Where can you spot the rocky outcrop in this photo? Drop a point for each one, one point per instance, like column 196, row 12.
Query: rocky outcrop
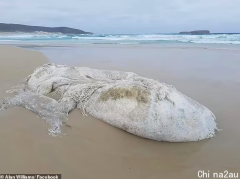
column 31, row 29
column 196, row 32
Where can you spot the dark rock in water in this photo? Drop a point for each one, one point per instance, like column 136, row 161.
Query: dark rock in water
column 196, row 32
column 29, row 29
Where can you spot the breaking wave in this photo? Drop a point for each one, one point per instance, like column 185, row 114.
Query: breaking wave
column 121, row 38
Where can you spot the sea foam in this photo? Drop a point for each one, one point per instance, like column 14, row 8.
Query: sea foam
column 121, row 38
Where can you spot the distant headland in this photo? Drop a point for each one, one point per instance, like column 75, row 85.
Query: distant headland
column 205, row 32
column 29, row 29
column 196, row 32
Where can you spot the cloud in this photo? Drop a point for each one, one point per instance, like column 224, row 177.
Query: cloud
column 125, row 16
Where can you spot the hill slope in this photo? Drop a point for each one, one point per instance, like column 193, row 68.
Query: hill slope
column 26, row 28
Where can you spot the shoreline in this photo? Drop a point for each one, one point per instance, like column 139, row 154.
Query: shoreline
column 204, row 46
column 16, row 64
column 94, row 149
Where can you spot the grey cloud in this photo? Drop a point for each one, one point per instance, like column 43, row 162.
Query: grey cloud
column 125, row 16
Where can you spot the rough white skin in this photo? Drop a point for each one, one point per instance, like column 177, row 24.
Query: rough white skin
column 138, row 105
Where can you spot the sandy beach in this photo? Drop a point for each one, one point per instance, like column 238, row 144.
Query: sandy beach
column 92, row 149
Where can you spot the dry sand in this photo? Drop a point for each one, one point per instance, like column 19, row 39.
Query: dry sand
column 95, row 150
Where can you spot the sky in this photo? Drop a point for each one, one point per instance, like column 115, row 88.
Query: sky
column 126, row 16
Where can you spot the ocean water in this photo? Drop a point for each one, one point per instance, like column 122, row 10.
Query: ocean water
column 123, row 39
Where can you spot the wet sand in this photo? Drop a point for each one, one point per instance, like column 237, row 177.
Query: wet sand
column 93, row 149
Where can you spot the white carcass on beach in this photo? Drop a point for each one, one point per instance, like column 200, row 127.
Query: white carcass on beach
column 138, row 105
